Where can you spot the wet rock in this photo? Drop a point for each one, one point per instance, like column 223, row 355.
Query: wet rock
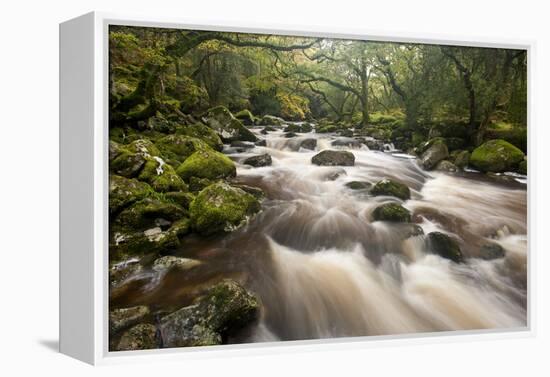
column 256, row 192
column 288, row 135
column 358, row 185
column 373, row 144
column 334, row 158
column 391, row 212
column 491, row 250
column 346, row 133
column 170, row 261
column 388, row 187
column 261, row 143
column 412, row 230
column 444, row 246
column 223, row 311
column 228, row 128
column 124, row 191
column 447, row 166
column 307, row 127
column 293, row 128
column 121, row 271
column 270, row 120
column 221, row 208
column 139, row 337
column 132, row 157
column 436, row 152
column 346, row 142
column 258, row 161
column 120, row 319
column 496, row 156
column 310, row 144
column 323, row 129
column 207, row 164
column 334, row 174
column 161, row 176
column 246, row 117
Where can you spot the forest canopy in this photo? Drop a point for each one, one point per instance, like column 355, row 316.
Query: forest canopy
column 408, row 88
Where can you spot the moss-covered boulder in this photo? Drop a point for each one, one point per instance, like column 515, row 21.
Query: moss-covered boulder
column 148, row 213
column 139, row 337
column 388, row 187
column 310, row 144
column 124, row 191
column 270, row 120
column 306, row 127
column 227, row 126
column 221, row 208
column 176, row 148
column 131, row 158
column 435, row 150
column 293, row 127
column 391, row 212
column 207, row 164
column 224, row 310
column 120, row 319
column 203, row 133
column 161, row 176
column 246, row 117
column 324, row 129
column 333, row 158
column 444, row 246
column 496, row 156
column 259, row 161
column 460, row 158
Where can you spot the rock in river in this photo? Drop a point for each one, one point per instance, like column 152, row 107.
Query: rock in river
column 120, row 319
column 445, row 246
column 258, row 161
column 334, row 158
column 226, row 308
column 388, row 187
column 496, row 156
column 391, row 212
column 436, row 152
column 139, row 337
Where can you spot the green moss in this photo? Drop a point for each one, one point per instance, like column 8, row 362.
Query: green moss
column 444, row 246
column 358, row 185
column 221, row 208
column 387, row 187
column 207, row 164
column 326, row 129
column 460, row 158
column 183, row 199
column 203, row 133
column 496, row 156
column 522, row 167
column 142, row 215
column 124, row 191
column 246, row 117
column 391, row 212
column 176, row 148
column 161, row 176
column 227, row 126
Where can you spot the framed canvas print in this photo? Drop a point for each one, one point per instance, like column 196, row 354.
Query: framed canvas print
column 233, row 188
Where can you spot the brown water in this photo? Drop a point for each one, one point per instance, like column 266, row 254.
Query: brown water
column 322, row 269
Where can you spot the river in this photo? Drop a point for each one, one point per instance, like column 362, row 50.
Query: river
column 323, row 269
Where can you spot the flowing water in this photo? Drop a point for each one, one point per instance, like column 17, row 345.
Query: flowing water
column 323, row 269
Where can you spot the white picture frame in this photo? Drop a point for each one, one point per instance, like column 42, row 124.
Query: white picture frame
column 84, row 192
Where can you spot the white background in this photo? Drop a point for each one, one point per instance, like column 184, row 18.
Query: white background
column 29, row 185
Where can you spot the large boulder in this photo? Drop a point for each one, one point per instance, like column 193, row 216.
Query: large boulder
column 310, row 144
column 207, row 164
column 131, row 158
column 446, row 166
column 333, row 158
column 176, row 148
column 223, row 311
column 346, row 142
column 139, row 337
column 221, row 208
column 270, row 120
column 445, row 246
column 496, row 156
column 120, row 319
column 149, row 212
column 391, row 212
column 161, row 176
column 435, row 152
column 388, row 187
column 124, row 191
column 258, row 161
column 203, row 133
column 227, row 126
column 460, row 158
